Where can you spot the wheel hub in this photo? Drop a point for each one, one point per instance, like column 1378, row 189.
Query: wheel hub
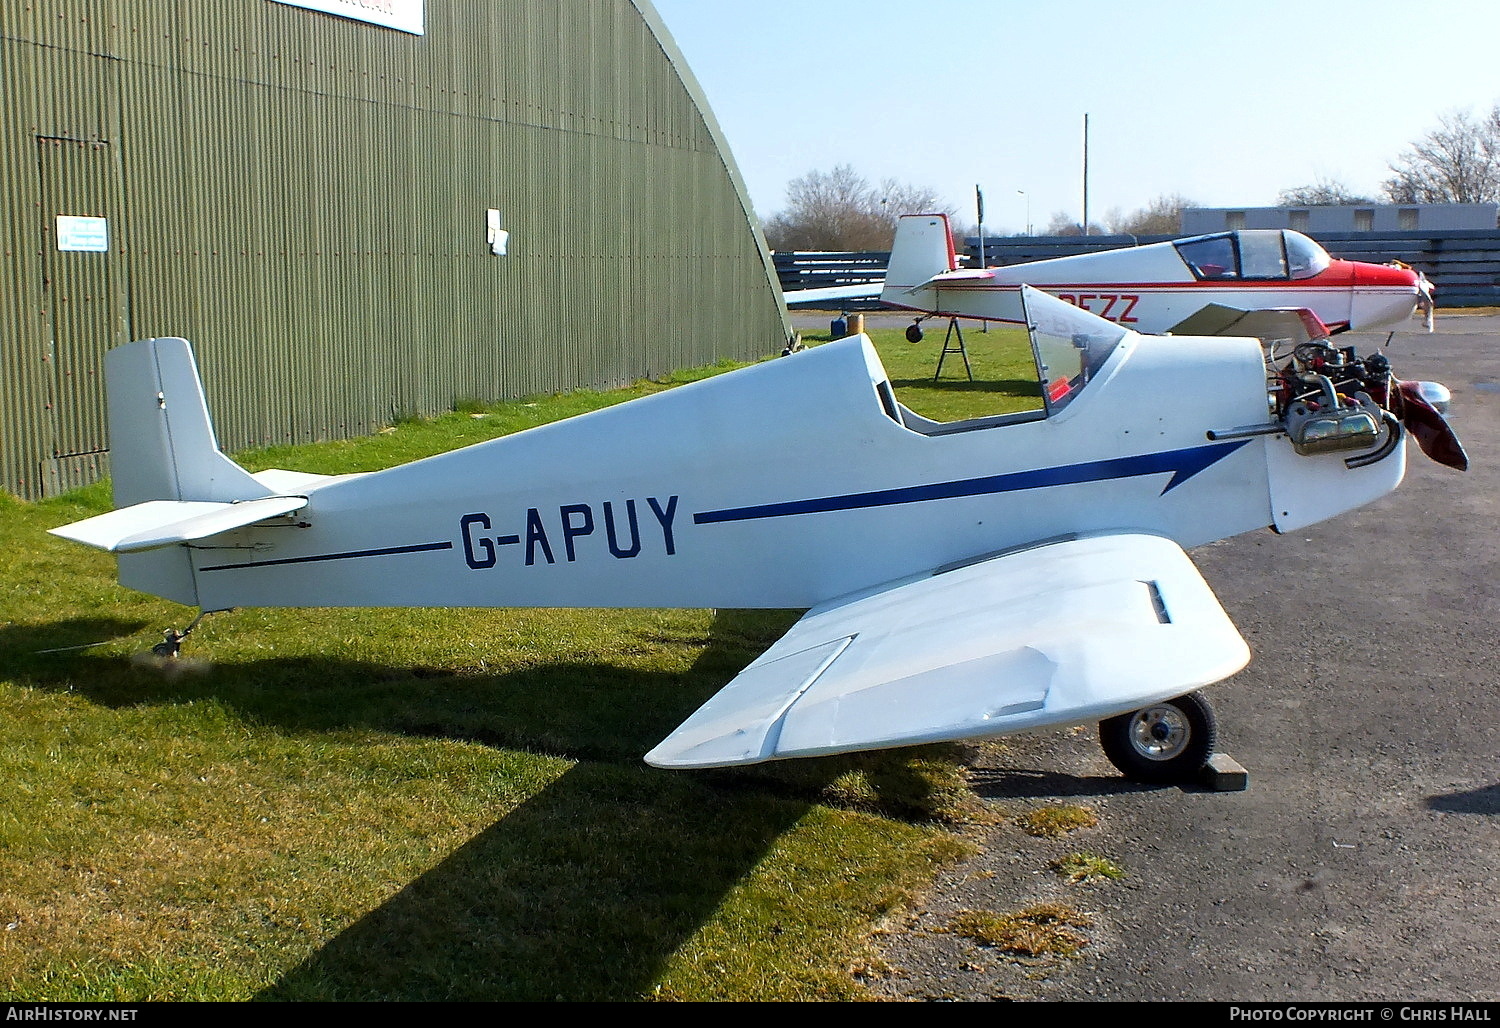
column 1160, row 733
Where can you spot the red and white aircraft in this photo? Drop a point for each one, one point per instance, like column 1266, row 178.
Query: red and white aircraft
column 1268, row 283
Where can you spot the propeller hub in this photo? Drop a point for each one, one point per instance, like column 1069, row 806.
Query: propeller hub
column 1436, row 394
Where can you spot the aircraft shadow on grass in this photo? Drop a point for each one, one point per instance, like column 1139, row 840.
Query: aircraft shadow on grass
column 660, row 849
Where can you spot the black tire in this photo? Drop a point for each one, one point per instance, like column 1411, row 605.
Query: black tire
column 1167, row 743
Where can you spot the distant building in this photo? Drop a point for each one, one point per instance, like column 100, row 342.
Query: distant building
column 1417, row 217
column 355, row 210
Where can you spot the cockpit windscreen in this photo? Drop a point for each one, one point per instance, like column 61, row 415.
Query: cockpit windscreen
column 1071, row 345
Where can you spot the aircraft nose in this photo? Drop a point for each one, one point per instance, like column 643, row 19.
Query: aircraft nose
column 1385, row 275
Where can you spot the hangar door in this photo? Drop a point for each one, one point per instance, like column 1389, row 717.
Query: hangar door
column 82, row 303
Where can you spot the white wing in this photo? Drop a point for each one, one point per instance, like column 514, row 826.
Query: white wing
column 1064, row 633
column 1295, row 324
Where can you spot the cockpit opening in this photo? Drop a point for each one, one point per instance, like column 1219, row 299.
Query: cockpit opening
column 1018, row 374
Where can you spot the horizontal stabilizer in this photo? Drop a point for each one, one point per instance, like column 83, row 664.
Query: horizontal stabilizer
column 826, row 294
column 1296, row 324
column 1065, row 633
column 952, row 278
column 961, row 275
column 155, row 523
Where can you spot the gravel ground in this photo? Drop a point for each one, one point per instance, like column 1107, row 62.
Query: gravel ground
column 1363, row 860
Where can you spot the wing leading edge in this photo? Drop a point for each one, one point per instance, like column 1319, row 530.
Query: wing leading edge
column 1063, row 633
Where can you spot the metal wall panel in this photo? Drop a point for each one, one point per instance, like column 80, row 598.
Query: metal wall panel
column 304, row 197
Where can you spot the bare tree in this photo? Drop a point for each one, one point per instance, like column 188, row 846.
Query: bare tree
column 841, row 210
column 1457, row 162
column 1064, row 224
column 1325, row 192
column 1160, row 217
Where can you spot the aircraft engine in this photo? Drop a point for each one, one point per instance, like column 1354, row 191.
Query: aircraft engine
column 1332, row 400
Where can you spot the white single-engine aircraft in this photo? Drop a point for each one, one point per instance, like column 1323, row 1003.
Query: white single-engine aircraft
column 963, row 580
column 1250, row 282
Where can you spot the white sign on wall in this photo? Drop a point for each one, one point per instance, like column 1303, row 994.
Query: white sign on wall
column 405, row 15
column 87, row 234
column 498, row 238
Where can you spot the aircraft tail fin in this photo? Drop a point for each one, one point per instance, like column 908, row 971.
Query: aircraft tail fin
column 162, row 443
column 171, row 480
column 923, row 247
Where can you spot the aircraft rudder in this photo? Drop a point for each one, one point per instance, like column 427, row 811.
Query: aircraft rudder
column 163, row 447
column 162, row 442
column 140, row 451
column 922, row 248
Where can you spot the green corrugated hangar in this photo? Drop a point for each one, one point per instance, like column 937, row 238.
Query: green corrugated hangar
column 356, row 210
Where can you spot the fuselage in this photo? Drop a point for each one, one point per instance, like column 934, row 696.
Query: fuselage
column 789, row 483
column 1155, row 287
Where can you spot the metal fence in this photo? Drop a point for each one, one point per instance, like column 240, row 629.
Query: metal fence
column 798, row 270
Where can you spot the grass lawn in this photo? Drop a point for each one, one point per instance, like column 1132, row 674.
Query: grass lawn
column 429, row 804
column 1000, row 359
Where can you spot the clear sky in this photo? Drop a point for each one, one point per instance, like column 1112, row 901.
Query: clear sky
column 1223, row 103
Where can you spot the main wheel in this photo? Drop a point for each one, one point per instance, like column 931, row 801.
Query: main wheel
column 1165, row 743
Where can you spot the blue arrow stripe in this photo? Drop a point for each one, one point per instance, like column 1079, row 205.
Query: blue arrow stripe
column 1183, row 464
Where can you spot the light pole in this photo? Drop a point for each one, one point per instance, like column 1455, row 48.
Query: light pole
column 1022, row 192
column 979, row 209
column 1085, row 174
